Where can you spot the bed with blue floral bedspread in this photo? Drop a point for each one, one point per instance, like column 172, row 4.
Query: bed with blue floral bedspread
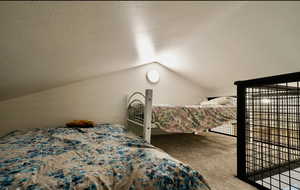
column 105, row 157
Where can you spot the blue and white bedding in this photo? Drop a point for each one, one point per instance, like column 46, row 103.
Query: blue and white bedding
column 105, row 157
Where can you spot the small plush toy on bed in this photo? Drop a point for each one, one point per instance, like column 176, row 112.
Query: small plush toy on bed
column 80, row 124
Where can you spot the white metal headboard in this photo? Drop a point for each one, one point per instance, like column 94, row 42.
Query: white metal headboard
column 145, row 115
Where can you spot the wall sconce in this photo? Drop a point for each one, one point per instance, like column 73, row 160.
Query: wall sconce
column 153, row 76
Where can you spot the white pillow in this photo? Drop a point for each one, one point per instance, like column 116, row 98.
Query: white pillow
column 224, row 101
column 201, row 100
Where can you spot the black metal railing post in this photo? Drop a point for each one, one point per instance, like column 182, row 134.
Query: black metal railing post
column 241, row 132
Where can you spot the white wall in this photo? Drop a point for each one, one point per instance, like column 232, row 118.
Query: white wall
column 225, row 91
column 102, row 99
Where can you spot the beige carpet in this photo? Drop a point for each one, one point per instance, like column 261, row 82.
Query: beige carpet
column 212, row 154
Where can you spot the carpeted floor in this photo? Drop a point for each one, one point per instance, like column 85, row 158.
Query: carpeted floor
column 212, row 154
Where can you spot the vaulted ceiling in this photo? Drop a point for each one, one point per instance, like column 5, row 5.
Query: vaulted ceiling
column 49, row 44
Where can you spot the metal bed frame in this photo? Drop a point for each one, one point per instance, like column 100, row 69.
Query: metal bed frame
column 139, row 119
column 268, row 133
column 142, row 117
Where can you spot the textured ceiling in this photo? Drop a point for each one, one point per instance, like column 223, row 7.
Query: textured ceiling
column 48, row 44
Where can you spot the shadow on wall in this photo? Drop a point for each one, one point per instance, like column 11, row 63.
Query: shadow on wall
column 102, row 99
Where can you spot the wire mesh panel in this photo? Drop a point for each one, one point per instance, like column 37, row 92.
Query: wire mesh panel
column 227, row 129
column 271, row 136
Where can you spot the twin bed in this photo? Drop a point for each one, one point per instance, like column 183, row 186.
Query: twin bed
column 107, row 157
column 142, row 115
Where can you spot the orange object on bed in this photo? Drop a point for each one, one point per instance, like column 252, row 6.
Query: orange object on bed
column 80, row 123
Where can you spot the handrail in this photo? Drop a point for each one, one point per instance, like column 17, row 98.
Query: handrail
column 283, row 78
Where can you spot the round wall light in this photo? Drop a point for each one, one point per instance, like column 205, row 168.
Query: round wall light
column 153, row 76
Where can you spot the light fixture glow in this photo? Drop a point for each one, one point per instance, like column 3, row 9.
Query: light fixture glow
column 153, row 76
column 145, row 48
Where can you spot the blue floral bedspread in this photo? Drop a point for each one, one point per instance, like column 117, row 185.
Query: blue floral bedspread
column 105, row 157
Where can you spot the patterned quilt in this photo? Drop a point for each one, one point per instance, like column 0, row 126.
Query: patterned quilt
column 179, row 119
column 105, row 157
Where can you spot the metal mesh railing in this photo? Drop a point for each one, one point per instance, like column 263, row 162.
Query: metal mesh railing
column 269, row 138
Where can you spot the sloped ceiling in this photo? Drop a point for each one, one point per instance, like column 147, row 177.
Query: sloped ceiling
column 49, row 44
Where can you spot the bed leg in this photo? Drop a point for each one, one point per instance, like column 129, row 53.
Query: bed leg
column 148, row 115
